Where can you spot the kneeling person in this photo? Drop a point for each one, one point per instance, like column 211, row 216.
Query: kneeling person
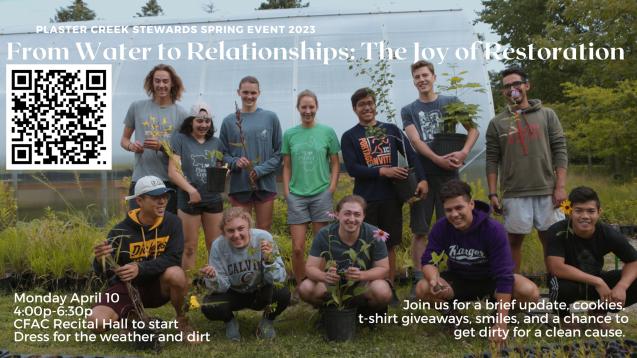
column 575, row 256
column 477, row 255
column 244, row 270
column 147, row 247
column 333, row 243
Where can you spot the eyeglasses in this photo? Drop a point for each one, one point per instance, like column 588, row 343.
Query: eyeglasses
column 516, row 84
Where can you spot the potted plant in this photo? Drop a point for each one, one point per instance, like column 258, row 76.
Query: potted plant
column 447, row 140
column 216, row 174
column 338, row 315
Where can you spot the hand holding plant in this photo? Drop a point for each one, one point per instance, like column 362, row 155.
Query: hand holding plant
column 127, row 272
column 354, row 274
column 266, row 252
column 245, row 162
column 439, row 260
column 208, row 271
column 102, row 250
column 332, row 276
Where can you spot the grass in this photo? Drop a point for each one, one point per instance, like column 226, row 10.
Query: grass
column 296, row 337
column 59, row 242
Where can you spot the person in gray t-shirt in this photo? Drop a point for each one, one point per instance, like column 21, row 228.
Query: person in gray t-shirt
column 253, row 167
column 421, row 120
column 196, row 148
column 153, row 121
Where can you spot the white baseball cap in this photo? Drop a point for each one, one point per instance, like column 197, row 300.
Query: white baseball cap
column 198, row 107
column 149, row 185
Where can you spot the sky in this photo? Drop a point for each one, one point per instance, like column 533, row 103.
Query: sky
column 39, row 12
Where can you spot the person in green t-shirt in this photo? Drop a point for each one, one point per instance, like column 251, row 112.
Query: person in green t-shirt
column 310, row 174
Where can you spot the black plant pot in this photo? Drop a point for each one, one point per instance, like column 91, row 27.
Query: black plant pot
column 445, row 143
column 406, row 188
column 340, row 324
column 7, row 284
column 628, row 230
column 216, row 179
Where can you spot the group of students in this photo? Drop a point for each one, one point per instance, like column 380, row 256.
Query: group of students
column 153, row 248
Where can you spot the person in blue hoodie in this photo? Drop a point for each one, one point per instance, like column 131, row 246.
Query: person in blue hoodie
column 244, row 270
column 477, row 256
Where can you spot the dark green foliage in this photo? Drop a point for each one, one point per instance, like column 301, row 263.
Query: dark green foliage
column 78, row 11
column 152, row 8
column 282, row 4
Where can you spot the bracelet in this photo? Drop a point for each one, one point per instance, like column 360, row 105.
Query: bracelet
column 492, row 195
column 128, row 147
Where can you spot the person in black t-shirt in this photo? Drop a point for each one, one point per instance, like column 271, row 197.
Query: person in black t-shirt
column 575, row 256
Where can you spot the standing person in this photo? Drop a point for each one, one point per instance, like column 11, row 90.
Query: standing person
column 478, row 258
column 253, row 167
column 147, row 246
column 334, row 243
column 244, row 270
column 372, row 160
column 526, row 144
column 423, row 118
column 153, row 121
column 194, row 148
column 575, row 256
column 310, row 174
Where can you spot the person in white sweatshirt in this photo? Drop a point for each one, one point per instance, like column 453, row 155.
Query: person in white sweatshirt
column 244, row 270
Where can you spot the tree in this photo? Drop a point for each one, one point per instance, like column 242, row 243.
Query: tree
column 566, row 23
column 152, row 8
column 600, row 122
column 209, row 7
column 282, row 4
column 78, row 11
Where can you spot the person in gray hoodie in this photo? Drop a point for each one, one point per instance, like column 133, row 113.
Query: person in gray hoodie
column 244, row 270
column 252, row 140
column 527, row 146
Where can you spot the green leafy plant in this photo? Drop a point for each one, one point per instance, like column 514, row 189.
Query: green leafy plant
column 216, row 157
column 459, row 112
column 439, row 260
column 344, row 290
column 381, row 80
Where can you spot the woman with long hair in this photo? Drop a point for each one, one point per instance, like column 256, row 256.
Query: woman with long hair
column 194, row 149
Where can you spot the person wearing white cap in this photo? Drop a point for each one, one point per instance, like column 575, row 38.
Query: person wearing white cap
column 147, row 246
column 195, row 147
column 153, row 121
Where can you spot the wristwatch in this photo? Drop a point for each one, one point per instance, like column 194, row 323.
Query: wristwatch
column 492, row 195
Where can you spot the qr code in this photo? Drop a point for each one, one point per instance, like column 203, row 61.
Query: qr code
column 58, row 117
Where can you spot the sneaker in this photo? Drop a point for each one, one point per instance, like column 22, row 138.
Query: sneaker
column 295, row 298
column 265, row 330
column 412, row 293
column 232, row 330
column 395, row 302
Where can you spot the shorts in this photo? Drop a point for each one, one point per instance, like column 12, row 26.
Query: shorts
column 214, row 207
column 251, row 197
column 209, row 206
column 304, row 209
column 172, row 199
column 469, row 290
column 522, row 214
column 150, row 293
column 387, row 215
column 422, row 211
